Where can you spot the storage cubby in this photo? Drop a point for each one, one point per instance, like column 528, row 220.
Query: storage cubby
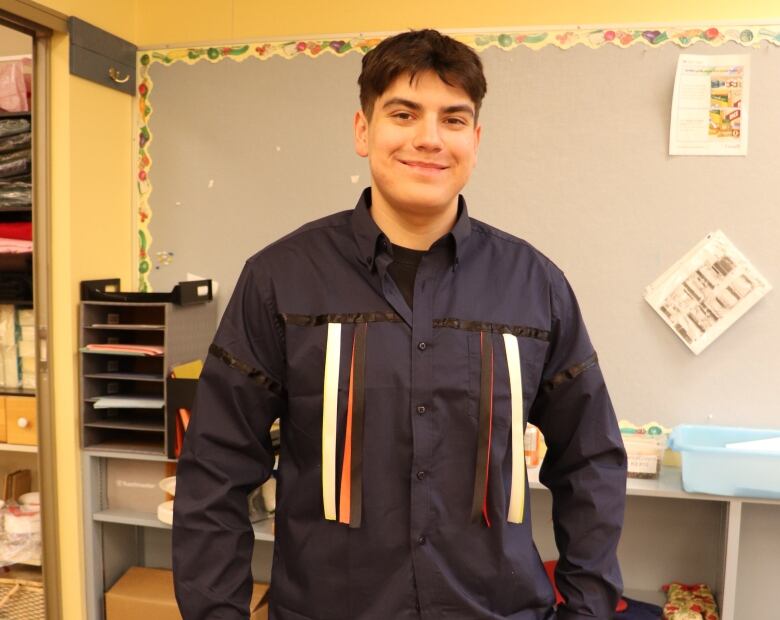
column 177, row 334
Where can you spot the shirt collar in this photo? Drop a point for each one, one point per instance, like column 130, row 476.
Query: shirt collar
column 368, row 235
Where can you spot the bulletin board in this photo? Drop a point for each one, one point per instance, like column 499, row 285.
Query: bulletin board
column 239, row 145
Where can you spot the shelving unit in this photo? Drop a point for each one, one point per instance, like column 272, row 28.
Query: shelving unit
column 117, row 538
column 703, row 547
column 18, row 410
column 182, row 332
column 650, row 553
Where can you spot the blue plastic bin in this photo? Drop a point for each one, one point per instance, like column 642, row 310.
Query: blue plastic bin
column 709, row 467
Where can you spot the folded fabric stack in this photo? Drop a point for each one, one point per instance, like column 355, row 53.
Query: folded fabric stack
column 689, row 602
column 9, row 351
column 15, row 166
column 25, row 332
column 17, row 323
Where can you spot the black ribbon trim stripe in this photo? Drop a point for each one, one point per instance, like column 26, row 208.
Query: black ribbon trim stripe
column 570, row 373
column 306, row 320
column 495, row 328
column 358, row 417
column 255, row 375
column 483, row 438
column 309, row 320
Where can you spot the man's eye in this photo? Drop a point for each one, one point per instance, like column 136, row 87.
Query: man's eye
column 456, row 120
column 403, row 116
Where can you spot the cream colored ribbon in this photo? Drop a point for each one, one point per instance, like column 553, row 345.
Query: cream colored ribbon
column 330, row 399
column 517, row 488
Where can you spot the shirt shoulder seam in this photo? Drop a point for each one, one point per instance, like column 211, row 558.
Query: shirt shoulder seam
column 312, row 227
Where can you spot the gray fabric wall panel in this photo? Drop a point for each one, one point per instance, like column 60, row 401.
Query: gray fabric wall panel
column 574, row 158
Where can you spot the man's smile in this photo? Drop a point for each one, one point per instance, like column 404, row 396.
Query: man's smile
column 424, row 166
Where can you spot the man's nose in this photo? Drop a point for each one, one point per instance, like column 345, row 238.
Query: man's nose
column 428, row 135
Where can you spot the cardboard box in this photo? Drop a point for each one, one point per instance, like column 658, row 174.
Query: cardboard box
column 148, row 593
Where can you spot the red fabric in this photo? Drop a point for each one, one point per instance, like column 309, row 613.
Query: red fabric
column 345, row 499
column 16, row 230
column 182, row 421
column 549, row 567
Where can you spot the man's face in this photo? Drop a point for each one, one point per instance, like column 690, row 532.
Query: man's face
column 421, row 142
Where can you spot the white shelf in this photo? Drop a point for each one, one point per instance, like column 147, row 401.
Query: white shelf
column 114, row 453
column 668, row 485
column 263, row 529
column 15, row 447
column 126, row 326
column 125, row 376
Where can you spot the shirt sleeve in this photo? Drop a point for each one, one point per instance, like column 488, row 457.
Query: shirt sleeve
column 585, row 465
column 227, row 453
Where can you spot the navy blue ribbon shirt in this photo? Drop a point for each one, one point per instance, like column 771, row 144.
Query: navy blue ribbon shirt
column 402, row 490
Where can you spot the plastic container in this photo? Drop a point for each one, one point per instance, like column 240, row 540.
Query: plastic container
column 645, row 455
column 708, row 466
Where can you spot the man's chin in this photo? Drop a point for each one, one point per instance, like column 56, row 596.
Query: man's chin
column 426, row 199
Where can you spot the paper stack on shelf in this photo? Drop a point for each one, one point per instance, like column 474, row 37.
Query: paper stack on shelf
column 141, row 350
column 25, row 321
column 9, row 352
column 119, row 401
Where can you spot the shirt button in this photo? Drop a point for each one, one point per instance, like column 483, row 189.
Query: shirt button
column 421, row 540
column 420, row 475
column 421, row 409
column 421, row 346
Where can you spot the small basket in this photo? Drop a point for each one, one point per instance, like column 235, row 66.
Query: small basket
column 21, row 600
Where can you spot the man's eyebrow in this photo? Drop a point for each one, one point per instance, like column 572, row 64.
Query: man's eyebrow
column 401, row 101
column 412, row 105
column 453, row 109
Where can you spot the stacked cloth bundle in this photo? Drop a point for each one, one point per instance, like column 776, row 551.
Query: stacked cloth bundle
column 16, row 235
column 15, row 163
column 689, row 602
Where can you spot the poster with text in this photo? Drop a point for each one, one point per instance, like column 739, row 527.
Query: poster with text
column 706, row 291
column 710, row 105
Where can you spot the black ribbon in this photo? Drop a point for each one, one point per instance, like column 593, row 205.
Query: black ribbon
column 497, row 328
column 358, row 423
column 570, row 373
column 307, row 320
column 485, row 428
column 253, row 373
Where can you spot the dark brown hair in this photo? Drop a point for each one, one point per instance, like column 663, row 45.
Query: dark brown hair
column 415, row 52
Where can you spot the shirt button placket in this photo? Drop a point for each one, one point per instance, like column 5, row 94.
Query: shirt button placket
column 423, row 425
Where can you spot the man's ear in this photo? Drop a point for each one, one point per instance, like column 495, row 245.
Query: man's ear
column 477, row 138
column 361, row 134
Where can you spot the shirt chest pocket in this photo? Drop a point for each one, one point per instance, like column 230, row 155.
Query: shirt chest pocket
column 504, row 372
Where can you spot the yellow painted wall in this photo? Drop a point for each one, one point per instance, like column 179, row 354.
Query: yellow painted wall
column 91, row 237
column 166, row 22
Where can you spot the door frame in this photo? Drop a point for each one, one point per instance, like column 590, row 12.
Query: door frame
column 41, row 23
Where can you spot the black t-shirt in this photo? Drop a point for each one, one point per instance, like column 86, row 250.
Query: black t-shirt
column 403, row 270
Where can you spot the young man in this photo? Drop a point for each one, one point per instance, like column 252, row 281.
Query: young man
column 403, row 345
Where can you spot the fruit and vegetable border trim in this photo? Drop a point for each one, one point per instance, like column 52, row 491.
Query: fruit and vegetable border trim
column 563, row 39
